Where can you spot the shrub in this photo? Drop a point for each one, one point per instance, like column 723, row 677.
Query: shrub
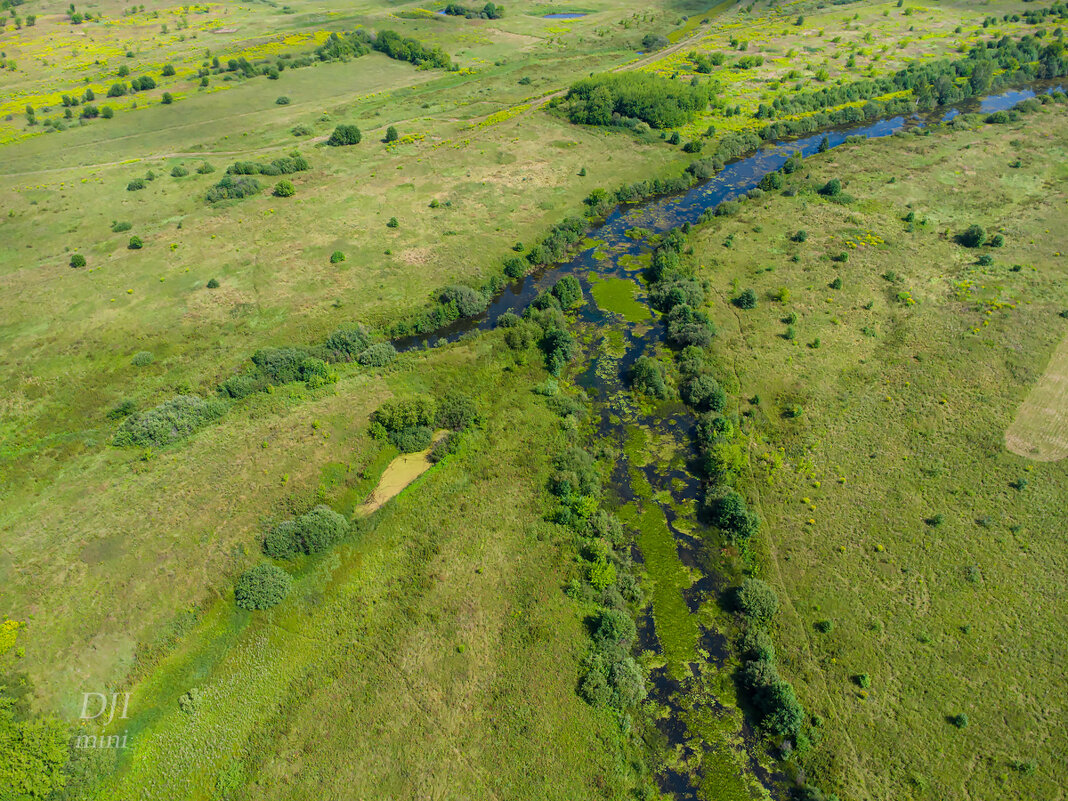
column 179, row 171
column 281, row 541
column 648, row 376
column 836, row 283
column 515, row 267
column 135, row 184
column 800, row 236
column 301, row 130
column 168, row 70
column 282, row 101
column 654, row 41
column 124, row 409
column 614, row 627
column 284, row 188
column 120, row 227
column 703, row 393
column 391, row 135
column 575, row 472
column 727, row 510
column 234, row 188
column 984, row 260
column 863, row 680
column 205, row 168
column 319, row 529
column 241, row 386
column 823, row 626
column 213, row 283
column 746, row 300
column 135, row 243
column 413, row 439
column 757, row 600
column 262, row 587
column 169, row 422
column 446, row 446
column 167, row 98
column 345, row 135
column 568, row 291
column 337, row 257
column 347, row 342
column 392, row 223
column 377, row 355
column 608, row 98
column 77, row 260
column 960, row 721
column 468, row 301
column 396, row 415
column 456, row 411
column 689, row 326
column 996, row 241
column 559, row 348
column 833, row 188
column 972, row 237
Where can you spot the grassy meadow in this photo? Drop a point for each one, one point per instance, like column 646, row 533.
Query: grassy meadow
column 435, row 654
column 908, row 545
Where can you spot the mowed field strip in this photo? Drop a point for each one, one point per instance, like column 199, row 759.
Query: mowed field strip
column 1040, row 430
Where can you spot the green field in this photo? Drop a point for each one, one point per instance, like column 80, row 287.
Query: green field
column 891, row 504
column 439, row 649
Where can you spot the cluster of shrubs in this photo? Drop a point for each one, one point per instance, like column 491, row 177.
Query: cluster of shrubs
column 169, row 422
column 359, row 42
column 489, row 11
column 309, row 533
column 610, row 677
column 262, row 587
column 450, row 304
column 543, row 324
column 678, row 294
column 619, row 98
column 410, row 423
column 286, row 165
column 773, row 698
column 231, row 188
column 647, row 376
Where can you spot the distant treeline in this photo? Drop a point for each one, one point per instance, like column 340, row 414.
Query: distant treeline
column 987, row 67
column 488, row 11
column 402, row 48
column 622, row 98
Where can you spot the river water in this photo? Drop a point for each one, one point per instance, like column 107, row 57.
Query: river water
column 615, row 344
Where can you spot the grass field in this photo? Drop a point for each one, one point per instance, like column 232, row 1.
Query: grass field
column 892, row 508
column 436, row 655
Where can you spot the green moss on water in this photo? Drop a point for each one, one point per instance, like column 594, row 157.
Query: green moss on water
column 676, row 628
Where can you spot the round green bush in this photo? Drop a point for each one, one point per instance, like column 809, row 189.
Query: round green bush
column 282, row 101
column 319, row 529
column 262, row 587
column 337, row 257
column 746, row 300
column 413, row 439
column 757, row 600
column 172, row 420
column 77, row 260
column 135, row 243
column 345, row 135
column 213, row 283
column 178, row 171
column 142, row 358
column 972, row 237
column 284, row 189
column 281, row 541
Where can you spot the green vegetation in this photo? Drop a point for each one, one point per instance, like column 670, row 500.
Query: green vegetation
column 262, row 587
column 627, row 98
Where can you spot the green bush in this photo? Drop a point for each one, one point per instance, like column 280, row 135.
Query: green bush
column 392, row 223
column 262, row 587
column 124, row 409
column 568, row 291
column 824, row 626
column 135, row 185
column 647, row 375
column 833, row 188
column 391, row 135
column 284, row 188
column 213, row 283
column 997, row 241
column 205, row 169
column 135, row 243
column 345, row 135
column 377, row 355
column 757, row 600
column 281, row 541
column 320, row 529
column 282, row 101
column 468, row 301
column 167, row 98
column 120, row 227
column 703, row 393
column 347, row 342
column 972, row 237
column 614, row 627
column 169, row 422
column 688, row 326
column 241, row 386
column 610, row 98
column 397, row 415
column 337, row 257
column 413, row 439
column 446, row 446
column 746, row 300
column 178, row 171
column 456, row 411
column 234, row 188
column 960, row 721
column 77, row 260
column 142, row 359
column 727, row 509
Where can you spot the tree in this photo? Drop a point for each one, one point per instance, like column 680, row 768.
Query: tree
column 77, row 260
column 135, row 243
column 262, row 587
column 654, row 41
column 345, row 135
column 391, row 135
column 34, row 753
column 167, row 98
column 833, row 188
column 703, row 393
